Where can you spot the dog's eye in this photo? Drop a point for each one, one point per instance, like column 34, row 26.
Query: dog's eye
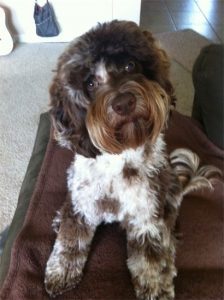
column 130, row 66
column 91, row 84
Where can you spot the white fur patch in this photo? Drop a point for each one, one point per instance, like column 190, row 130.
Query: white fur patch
column 91, row 180
column 101, row 72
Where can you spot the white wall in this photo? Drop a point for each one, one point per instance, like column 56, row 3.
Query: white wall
column 74, row 16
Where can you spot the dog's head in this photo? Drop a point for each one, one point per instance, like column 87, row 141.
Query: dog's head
column 111, row 90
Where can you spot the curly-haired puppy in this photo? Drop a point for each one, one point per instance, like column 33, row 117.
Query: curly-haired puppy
column 110, row 101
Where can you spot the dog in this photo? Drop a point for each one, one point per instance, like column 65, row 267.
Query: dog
column 111, row 98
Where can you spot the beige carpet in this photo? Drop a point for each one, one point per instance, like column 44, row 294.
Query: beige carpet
column 24, row 79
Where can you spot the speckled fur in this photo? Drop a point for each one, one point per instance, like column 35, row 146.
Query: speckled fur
column 145, row 205
column 121, row 171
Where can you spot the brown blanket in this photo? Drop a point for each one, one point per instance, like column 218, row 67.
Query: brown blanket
column 199, row 256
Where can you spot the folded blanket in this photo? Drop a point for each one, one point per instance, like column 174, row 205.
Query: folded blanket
column 199, row 255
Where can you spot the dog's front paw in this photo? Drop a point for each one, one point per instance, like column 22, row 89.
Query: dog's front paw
column 58, row 282
column 146, row 294
column 153, row 291
column 60, row 276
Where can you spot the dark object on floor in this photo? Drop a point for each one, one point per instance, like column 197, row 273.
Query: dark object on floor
column 46, row 25
column 208, row 79
column 199, row 257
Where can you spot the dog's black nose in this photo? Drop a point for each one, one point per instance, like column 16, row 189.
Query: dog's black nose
column 124, row 104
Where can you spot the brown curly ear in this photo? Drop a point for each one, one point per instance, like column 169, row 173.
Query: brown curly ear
column 68, row 119
column 161, row 65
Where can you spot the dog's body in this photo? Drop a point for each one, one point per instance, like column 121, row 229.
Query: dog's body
column 105, row 189
column 111, row 99
column 140, row 190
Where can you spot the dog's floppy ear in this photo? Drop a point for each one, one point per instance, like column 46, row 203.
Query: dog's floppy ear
column 162, row 66
column 68, row 118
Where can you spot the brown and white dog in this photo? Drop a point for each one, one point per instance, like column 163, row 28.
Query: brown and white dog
column 110, row 102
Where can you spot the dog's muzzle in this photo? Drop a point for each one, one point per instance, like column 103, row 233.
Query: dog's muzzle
column 124, row 117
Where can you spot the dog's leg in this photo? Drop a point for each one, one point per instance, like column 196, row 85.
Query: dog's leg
column 65, row 265
column 151, row 262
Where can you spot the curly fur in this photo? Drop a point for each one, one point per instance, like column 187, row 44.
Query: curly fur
column 110, row 101
column 69, row 97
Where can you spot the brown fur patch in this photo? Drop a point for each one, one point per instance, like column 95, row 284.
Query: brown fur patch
column 150, row 249
column 108, row 205
column 129, row 172
column 73, row 227
column 167, row 187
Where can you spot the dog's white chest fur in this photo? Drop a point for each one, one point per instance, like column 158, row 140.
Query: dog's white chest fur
column 116, row 186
